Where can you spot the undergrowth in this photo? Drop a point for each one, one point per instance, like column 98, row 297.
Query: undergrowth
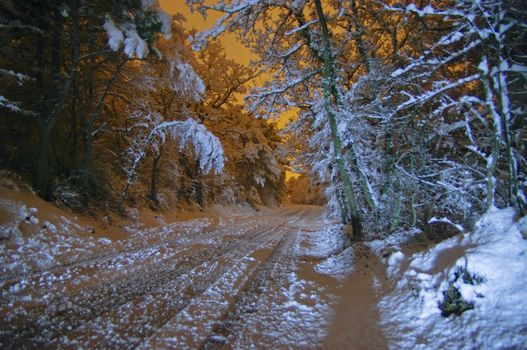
column 453, row 301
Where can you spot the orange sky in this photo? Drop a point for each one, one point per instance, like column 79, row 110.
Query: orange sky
column 233, row 48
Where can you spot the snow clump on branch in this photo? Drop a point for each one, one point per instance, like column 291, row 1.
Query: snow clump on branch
column 126, row 32
column 207, row 147
column 189, row 83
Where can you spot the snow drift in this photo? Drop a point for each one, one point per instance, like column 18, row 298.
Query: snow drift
column 494, row 260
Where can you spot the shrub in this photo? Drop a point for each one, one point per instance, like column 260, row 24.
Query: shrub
column 453, row 302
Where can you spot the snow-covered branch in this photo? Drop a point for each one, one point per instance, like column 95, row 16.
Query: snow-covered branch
column 427, row 96
column 207, row 147
column 259, row 99
column 126, row 34
column 302, row 27
column 446, row 221
column 19, row 77
column 188, row 84
column 15, row 108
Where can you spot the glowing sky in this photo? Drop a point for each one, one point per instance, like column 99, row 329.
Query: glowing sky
column 233, row 48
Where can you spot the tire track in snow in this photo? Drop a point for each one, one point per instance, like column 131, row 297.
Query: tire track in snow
column 129, row 324
column 136, row 243
column 41, row 325
column 51, row 281
column 277, row 308
column 251, row 290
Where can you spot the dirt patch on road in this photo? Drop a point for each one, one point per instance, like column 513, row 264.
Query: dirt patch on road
column 356, row 321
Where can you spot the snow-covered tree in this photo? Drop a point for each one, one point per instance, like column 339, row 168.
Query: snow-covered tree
column 472, row 80
column 255, row 157
column 152, row 132
column 100, row 95
column 294, row 41
column 172, row 86
column 224, row 79
column 161, row 92
column 395, row 104
column 65, row 65
column 132, row 26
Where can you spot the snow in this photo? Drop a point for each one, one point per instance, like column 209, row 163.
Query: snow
column 207, row 147
column 290, row 310
column 447, row 221
column 189, row 84
column 19, row 77
column 394, row 263
column 260, row 180
column 115, row 36
column 268, row 268
column 483, row 66
column 134, row 45
column 301, row 28
column 14, row 107
column 427, row 10
column 328, row 247
column 427, row 96
column 496, row 254
column 48, row 246
column 451, row 38
column 166, row 23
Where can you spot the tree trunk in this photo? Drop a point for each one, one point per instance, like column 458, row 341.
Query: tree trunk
column 331, row 99
column 87, row 142
column 89, row 131
column 515, row 199
column 57, row 93
column 364, row 183
column 154, row 178
column 492, row 159
column 69, row 158
column 42, row 181
column 43, row 178
column 396, row 216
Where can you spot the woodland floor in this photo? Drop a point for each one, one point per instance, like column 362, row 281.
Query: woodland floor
column 254, row 280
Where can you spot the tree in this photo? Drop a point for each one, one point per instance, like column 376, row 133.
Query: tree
column 481, row 93
column 300, row 55
column 161, row 90
column 155, row 131
column 107, row 102
column 255, row 157
column 387, row 97
column 61, row 33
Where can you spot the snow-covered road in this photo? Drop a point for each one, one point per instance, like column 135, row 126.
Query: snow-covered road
column 239, row 282
column 238, row 279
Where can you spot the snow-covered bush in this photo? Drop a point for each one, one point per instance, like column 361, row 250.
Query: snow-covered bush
column 453, row 302
column 472, row 112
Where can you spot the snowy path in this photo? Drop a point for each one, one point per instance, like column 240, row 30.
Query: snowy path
column 274, row 279
column 236, row 283
column 357, row 319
